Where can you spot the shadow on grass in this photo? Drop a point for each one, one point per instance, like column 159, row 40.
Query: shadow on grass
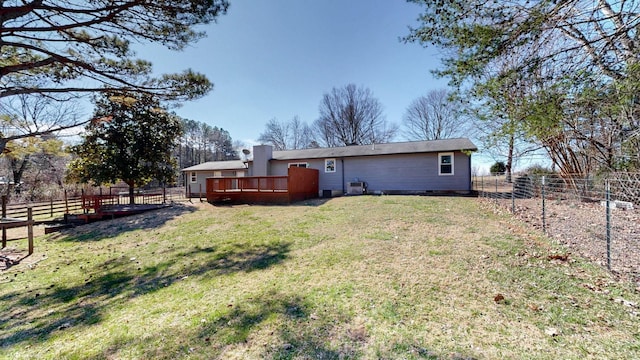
column 300, row 333
column 287, row 314
column 308, row 202
column 36, row 314
column 103, row 229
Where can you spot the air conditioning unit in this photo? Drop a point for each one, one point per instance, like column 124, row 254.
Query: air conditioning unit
column 356, row 188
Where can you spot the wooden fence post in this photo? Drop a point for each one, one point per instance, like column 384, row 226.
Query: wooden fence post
column 66, row 202
column 51, row 202
column 30, row 229
column 200, row 192
column 4, row 215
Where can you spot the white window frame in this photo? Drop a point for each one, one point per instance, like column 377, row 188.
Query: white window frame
column 440, row 163
column 297, row 164
column 329, row 163
column 194, row 176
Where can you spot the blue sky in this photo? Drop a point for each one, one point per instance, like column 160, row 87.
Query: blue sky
column 275, row 59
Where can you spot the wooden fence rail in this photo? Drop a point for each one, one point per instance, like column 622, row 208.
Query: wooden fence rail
column 10, row 223
column 45, row 210
column 52, row 209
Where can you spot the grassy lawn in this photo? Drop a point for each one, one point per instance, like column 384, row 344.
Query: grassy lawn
column 355, row 277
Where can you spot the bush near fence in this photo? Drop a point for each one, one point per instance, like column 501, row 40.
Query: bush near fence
column 597, row 217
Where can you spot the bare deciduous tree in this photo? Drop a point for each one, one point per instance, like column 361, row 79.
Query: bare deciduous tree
column 29, row 128
column 291, row 135
column 301, row 134
column 25, row 115
column 275, row 134
column 352, row 116
column 434, row 116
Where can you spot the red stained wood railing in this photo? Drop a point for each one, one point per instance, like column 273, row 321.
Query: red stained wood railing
column 299, row 184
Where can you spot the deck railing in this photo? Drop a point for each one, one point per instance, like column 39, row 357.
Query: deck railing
column 300, row 184
column 250, row 184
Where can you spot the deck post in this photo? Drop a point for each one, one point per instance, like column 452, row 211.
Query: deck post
column 84, row 199
column 30, row 229
column 4, row 215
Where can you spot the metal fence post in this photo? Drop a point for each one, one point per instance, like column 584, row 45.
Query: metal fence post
column 608, row 216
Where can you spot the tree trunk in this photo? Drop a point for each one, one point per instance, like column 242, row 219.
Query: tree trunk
column 132, row 196
column 17, row 169
column 509, row 164
column 3, row 145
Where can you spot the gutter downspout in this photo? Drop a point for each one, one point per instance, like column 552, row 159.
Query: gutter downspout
column 343, row 188
column 470, row 175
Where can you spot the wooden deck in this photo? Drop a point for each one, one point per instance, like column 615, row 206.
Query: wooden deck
column 300, row 184
column 114, row 211
column 98, row 207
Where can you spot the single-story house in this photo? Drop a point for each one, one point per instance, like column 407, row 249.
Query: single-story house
column 415, row 167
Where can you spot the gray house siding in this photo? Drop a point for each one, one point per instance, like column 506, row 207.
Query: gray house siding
column 403, row 173
column 327, row 181
column 334, row 180
column 200, row 185
column 401, row 168
column 408, row 173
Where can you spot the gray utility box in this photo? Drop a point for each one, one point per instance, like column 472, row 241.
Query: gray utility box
column 356, row 188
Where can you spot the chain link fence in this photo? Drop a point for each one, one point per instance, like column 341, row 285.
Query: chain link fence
column 597, row 218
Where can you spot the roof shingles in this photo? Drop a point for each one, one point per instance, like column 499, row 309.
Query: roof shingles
column 410, row 147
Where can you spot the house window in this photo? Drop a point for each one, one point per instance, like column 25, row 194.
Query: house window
column 303, row 165
column 194, row 176
column 445, row 161
column 228, row 173
column 329, row 165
